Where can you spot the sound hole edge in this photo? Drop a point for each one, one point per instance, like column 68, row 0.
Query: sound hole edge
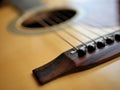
column 42, row 19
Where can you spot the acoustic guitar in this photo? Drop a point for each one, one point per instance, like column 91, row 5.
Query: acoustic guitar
column 60, row 45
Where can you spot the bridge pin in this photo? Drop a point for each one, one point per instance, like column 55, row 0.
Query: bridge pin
column 81, row 52
column 100, row 44
column 91, row 48
column 109, row 40
column 117, row 37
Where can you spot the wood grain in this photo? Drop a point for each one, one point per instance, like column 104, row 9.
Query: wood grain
column 20, row 54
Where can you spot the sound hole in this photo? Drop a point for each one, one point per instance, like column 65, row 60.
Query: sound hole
column 48, row 18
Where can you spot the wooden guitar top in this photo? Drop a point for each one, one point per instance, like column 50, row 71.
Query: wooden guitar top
column 20, row 53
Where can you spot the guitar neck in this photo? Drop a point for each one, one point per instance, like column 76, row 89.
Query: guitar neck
column 25, row 5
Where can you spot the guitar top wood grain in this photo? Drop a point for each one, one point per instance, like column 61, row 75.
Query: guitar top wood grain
column 21, row 53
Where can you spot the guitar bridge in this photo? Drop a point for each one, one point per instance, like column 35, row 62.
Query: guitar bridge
column 86, row 56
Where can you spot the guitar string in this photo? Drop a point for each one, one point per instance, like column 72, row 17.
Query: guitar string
column 58, row 19
column 104, row 38
column 92, row 31
column 64, row 17
column 55, row 19
column 75, row 30
column 103, row 30
column 100, row 25
column 78, row 31
column 100, row 28
column 53, row 22
column 45, row 24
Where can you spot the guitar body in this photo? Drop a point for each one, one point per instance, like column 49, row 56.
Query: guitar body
column 20, row 53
